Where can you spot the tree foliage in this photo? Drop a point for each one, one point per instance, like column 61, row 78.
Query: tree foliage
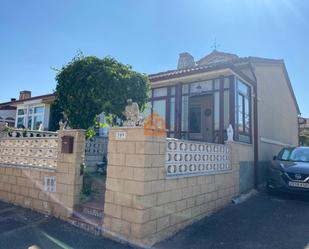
column 88, row 86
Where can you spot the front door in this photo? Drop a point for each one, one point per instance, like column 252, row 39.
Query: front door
column 200, row 118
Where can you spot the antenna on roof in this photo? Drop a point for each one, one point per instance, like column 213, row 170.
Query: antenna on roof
column 215, row 44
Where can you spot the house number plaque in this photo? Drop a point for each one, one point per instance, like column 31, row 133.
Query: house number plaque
column 121, row 135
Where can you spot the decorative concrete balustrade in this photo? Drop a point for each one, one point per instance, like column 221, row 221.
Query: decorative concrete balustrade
column 29, row 133
column 188, row 158
column 36, row 152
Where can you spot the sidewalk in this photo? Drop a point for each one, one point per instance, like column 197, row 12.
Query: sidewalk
column 21, row 228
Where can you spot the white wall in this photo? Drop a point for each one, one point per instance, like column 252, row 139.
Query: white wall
column 277, row 112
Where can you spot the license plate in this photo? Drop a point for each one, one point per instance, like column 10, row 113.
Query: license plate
column 299, row 184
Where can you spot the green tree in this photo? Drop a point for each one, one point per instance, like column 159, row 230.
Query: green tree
column 88, row 86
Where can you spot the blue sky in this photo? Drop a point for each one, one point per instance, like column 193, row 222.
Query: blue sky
column 148, row 34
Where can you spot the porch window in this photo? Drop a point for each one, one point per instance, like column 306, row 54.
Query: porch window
column 159, row 106
column 164, row 103
column 243, row 113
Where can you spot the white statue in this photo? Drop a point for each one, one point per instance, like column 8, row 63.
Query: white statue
column 41, row 127
column 230, row 133
column 64, row 123
column 132, row 114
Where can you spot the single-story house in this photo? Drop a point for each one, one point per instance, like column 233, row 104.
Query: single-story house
column 30, row 112
column 199, row 100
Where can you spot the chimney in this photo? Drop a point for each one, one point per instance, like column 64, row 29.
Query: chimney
column 24, row 95
column 185, row 60
column 13, row 99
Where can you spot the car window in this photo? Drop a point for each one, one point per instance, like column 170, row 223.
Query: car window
column 284, row 154
column 300, row 155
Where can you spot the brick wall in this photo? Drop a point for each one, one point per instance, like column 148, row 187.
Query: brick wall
column 24, row 184
column 142, row 206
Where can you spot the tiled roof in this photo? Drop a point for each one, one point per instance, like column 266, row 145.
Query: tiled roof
column 197, row 69
column 46, row 96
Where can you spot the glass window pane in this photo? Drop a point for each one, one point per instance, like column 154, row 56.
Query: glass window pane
column 202, row 86
column 29, row 126
column 247, row 106
column 160, row 92
column 247, row 123
column 226, row 83
column 185, row 89
column 159, row 106
column 216, row 110
column 172, row 114
column 217, row 84
column 184, row 114
column 173, row 90
column 37, row 121
column 39, row 109
column 20, row 122
column 22, row 111
column 226, row 109
column 195, row 119
column 243, row 88
column 240, row 113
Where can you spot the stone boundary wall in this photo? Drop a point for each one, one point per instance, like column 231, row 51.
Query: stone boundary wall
column 142, row 206
column 246, row 165
column 24, row 186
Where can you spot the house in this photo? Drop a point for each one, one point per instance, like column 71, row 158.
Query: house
column 32, row 111
column 304, row 126
column 201, row 98
column 7, row 114
column 29, row 112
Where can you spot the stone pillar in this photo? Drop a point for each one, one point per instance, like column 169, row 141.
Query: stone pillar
column 134, row 175
column 69, row 178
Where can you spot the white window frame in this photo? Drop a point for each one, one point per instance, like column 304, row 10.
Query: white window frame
column 28, row 115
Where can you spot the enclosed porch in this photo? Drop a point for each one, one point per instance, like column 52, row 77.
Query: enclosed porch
column 202, row 110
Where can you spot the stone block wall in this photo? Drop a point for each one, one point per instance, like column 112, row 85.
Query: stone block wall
column 23, row 185
column 245, row 158
column 142, row 206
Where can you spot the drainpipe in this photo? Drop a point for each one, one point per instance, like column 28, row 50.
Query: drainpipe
column 255, row 123
column 256, row 142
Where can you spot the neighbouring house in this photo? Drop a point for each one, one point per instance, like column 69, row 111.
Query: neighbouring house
column 201, row 98
column 30, row 112
column 304, row 127
column 304, row 131
column 8, row 114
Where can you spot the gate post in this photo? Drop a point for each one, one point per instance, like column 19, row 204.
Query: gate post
column 135, row 167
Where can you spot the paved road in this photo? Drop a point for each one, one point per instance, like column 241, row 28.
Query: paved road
column 262, row 222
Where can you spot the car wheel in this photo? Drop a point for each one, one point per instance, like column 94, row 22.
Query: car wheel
column 270, row 189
